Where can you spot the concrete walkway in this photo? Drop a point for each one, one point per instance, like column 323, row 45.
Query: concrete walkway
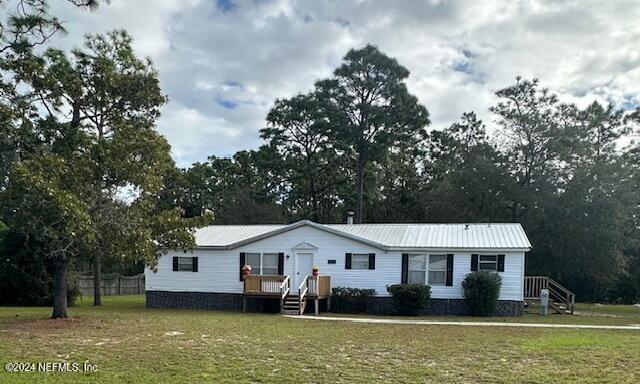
column 370, row 320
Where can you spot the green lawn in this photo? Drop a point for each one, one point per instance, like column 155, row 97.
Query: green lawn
column 132, row 344
column 584, row 314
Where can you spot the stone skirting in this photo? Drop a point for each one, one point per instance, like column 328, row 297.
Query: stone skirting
column 448, row 307
column 209, row 300
column 375, row 306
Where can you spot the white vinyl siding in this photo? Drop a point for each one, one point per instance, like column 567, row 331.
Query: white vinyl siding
column 219, row 269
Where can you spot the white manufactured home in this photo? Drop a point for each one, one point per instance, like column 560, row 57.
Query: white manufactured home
column 371, row 256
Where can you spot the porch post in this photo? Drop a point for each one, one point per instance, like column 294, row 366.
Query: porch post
column 316, row 307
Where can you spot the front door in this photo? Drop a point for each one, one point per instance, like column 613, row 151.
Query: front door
column 304, row 265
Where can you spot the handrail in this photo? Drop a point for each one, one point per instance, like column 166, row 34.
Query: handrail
column 534, row 284
column 285, row 287
column 563, row 289
column 304, row 282
column 302, row 293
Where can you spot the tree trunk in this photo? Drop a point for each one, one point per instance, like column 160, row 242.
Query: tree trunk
column 314, row 198
column 97, row 281
column 360, row 189
column 60, row 290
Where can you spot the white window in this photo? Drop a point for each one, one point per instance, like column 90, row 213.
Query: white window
column 253, row 259
column 360, row 261
column 262, row 263
column 437, row 269
column 488, row 263
column 185, row 263
column 431, row 269
column 269, row 263
column 417, row 269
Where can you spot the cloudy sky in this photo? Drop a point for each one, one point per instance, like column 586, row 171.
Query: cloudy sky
column 223, row 62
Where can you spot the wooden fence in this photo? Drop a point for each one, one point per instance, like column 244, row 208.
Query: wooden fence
column 118, row 285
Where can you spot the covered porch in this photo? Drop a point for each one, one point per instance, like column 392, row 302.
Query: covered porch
column 293, row 300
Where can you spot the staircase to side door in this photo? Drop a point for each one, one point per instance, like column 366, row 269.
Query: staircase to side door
column 561, row 300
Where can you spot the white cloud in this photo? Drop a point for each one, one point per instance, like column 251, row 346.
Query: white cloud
column 223, row 63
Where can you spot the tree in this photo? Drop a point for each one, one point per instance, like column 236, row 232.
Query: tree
column 569, row 186
column 466, row 171
column 369, row 109
column 45, row 202
column 26, row 26
column 243, row 189
column 26, row 136
column 297, row 131
column 592, row 214
column 115, row 98
column 530, row 126
column 93, row 117
column 396, row 185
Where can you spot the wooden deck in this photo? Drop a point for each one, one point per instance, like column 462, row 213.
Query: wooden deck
column 279, row 287
column 266, row 285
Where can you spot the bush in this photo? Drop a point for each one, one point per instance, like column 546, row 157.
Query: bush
column 73, row 288
column 481, row 292
column 409, row 299
column 350, row 300
column 24, row 277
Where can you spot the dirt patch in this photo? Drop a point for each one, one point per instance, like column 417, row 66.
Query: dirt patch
column 44, row 327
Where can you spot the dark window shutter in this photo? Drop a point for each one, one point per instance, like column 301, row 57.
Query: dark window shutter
column 243, row 257
column 372, row 261
column 449, row 281
column 194, row 264
column 404, row 278
column 474, row 262
column 500, row 263
column 347, row 261
column 175, row 263
column 280, row 263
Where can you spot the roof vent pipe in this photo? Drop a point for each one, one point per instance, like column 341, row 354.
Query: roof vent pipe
column 350, row 217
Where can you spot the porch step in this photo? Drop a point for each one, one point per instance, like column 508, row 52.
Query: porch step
column 294, row 312
column 557, row 307
column 291, row 305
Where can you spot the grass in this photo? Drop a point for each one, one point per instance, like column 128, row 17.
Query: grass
column 132, row 344
column 593, row 314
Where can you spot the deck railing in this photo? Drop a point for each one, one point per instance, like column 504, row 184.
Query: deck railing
column 266, row 284
column 303, row 289
column 319, row 285
column 534, row 284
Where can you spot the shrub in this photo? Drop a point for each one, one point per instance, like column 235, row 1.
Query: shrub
column 73, row 288
column 24, row 278
column 409, row 299
column 352, row 300
column 481, row 292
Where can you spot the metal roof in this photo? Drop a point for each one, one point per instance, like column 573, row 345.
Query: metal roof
column 384, row 236
column 495, row 235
